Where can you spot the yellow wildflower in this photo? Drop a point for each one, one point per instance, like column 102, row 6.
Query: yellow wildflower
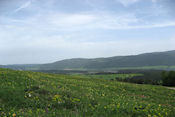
column 13, row 115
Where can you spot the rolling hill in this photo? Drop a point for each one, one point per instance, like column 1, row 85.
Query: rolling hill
column 148, row 60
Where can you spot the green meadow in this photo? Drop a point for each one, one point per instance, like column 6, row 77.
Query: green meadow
column 32, row 94
column 106, row 76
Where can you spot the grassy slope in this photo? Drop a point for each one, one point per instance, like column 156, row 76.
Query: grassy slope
column 38, row 94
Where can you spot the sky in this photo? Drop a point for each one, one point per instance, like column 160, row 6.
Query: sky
column 45, row 31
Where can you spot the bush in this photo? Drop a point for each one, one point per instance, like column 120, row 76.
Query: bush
column 148, row 77
column 168, row 78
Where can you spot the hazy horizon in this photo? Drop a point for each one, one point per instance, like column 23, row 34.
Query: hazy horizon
column 45, row 31
column 86, row 58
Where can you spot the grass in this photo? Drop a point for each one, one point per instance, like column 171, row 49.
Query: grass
column 106, row 76
column 144, row 68
column 33, row 94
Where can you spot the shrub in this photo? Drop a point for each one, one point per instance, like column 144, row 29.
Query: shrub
column 168, row 78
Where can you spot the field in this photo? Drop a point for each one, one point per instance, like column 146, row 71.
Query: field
column 106, row 76
column 32, row 94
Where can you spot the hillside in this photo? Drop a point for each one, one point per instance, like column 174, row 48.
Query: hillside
column 33, row 94
column 157, row 59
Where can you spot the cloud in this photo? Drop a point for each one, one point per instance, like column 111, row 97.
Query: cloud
column 70, row 20
column 87, row 21
column 83, row 22
column 59, row 20
column 95, row 21
column 126, row 3
column 154, row 1
column 154, row 25
column 167, row 5
column 26, row 4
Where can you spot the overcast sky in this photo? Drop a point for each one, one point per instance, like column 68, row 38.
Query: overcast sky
column 44, row 31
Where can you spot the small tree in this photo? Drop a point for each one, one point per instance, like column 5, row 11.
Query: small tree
column 168, row 78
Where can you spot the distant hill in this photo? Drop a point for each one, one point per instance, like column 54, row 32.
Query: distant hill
column 147, row 60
